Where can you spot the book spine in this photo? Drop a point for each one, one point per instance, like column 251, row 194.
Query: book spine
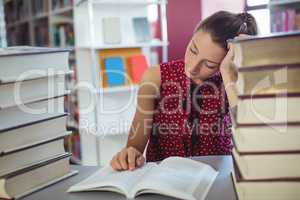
column 278, row 17
column 72, row 173
column 297, row 21
column 35, row 166
column 32, row 123
column 285, row 20
column 34, row 145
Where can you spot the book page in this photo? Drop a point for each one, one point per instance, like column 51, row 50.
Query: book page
column 179, row 177
column 109, row 180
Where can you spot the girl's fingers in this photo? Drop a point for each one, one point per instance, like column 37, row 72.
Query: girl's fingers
column 115, row 163
column 128, row 159
column 123, row 160
column 131, row 159
column 140, row 160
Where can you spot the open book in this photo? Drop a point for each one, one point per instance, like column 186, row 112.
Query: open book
column 177, row 177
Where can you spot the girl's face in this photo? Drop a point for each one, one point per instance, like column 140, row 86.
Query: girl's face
column 202, row 57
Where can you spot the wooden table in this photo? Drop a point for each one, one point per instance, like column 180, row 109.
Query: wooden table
column 221, row 189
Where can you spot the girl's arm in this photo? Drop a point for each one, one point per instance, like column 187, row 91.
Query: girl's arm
column 132, row 155
column 229, row 76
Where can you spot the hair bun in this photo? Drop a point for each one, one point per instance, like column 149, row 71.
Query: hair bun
column 245, row 17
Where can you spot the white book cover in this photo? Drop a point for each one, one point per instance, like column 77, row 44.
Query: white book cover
column 142, row 29
column 111, row 30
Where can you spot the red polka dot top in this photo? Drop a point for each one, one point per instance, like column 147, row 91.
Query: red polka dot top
column 189, row 120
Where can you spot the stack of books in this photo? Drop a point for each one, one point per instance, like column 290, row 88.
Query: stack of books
column 266, row 133
column 33, row 122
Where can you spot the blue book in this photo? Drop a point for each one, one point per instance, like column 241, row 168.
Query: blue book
column 115, row 71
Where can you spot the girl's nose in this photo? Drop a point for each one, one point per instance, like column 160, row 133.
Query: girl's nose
column 194, row 69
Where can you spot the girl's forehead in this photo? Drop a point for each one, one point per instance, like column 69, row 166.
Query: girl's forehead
column 203, row 42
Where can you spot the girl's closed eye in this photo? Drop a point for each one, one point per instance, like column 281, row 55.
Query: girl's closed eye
column 211, row 65
column 193, row 48
column 193, row 51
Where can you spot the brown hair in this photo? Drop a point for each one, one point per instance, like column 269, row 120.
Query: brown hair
column 224, row 25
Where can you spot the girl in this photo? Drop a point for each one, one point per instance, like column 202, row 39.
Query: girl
column 182, row 106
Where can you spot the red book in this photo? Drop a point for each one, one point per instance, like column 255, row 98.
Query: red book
column 297, row 21
column 136, row 67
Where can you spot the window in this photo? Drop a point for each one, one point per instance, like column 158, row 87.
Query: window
column 259, row 9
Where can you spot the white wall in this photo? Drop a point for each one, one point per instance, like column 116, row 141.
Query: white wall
column 211, row 6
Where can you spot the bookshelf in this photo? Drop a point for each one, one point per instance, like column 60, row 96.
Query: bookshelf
column 47, row 23
column 106, row 113
column 284, row 15
column 40, row 19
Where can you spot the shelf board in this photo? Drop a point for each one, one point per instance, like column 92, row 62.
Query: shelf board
column 59, row 11
column 120, row 46
column 20, row 22
column 283, row 2
column 40, row 16
column 118, row 89
column 122, row 2
column 113, row 134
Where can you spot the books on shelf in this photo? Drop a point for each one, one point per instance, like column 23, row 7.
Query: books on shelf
column 112, row 30
column 177, row 177
column 2, row 26
column 18, row 35
column 39, row 7
column 72, row 144
column 59, row 4
column 297, row 21
column 136, row 66
column 41, row 32
column 141, row 29
column 33, row 119
column 115, row 71
column 113, row 33
column 266, row 123
column 17, row 10
column 284, row 20
column 124, row 54
column 63, row 35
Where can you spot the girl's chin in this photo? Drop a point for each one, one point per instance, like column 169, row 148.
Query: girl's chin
column 197, row 81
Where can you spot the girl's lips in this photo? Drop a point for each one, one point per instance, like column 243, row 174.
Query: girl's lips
column 196, row 80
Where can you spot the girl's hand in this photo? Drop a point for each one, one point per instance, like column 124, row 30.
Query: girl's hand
column 227, row 67
column 127, row 159
column 229, row 74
